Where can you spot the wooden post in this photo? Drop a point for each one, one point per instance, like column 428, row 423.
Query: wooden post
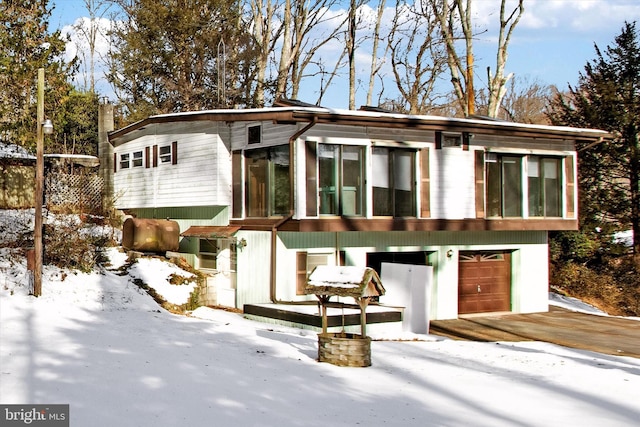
column 39, row 197
column 363, row 303
column 324, row 299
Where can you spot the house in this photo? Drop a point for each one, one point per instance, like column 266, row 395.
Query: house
column 263, row 196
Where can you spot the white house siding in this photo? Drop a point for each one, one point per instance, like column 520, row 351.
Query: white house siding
column 529, row 252
column 201, row 177
column 452, row 183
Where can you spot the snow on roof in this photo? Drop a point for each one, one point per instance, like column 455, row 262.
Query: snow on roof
column 81, row 159
column 333, row 114
column 13, row 151
column 344, row 281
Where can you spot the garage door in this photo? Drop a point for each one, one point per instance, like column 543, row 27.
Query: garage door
column 484, row 282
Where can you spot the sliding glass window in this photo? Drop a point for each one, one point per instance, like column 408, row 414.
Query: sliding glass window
column 545, row 186
column 340, row 177
column 394, row 182
column 267, row 180
column 504, row 186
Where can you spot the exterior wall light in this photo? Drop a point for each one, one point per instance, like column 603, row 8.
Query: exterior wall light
column 241, row 244
column 47, row 127
column 449, row 253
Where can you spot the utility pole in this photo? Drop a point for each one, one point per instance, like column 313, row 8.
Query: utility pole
column 42, row 128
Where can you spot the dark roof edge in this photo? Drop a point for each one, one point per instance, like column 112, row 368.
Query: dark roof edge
column 366, row 118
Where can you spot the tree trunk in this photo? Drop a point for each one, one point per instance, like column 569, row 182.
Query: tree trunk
column 374, row 53
column 351, row 47
column 498, row 82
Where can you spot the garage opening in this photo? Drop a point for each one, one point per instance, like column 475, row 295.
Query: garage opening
column 375, row 259
column 484, row 282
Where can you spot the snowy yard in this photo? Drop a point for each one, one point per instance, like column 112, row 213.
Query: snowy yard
column 101, row 345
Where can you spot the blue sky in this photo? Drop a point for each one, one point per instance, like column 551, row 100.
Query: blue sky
column 551, row 44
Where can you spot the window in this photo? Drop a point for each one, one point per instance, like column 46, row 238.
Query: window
column 208, row 253
column 254, row 134
column 451, row 140
column 504, row 186
column 393, row 182
column 545, row 187
column 267, row 181
column 340, row 179
column 165, row 154
column 124, row 160
column 137, row 159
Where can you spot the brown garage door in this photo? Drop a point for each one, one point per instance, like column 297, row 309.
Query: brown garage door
column 484, row 282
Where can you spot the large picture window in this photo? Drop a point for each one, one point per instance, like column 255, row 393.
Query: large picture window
column 393, row 182
column 504, row 185
column 267, row 180
column 545, row 186
column 340, row 178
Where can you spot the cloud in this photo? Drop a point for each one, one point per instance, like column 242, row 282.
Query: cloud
column 79, row 47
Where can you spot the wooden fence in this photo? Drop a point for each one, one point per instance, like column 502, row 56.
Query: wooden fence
column 74, row 192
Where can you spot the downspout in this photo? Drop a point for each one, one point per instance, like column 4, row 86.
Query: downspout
column 274, row 229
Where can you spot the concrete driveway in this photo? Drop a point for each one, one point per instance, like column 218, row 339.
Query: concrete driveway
column 603, row 334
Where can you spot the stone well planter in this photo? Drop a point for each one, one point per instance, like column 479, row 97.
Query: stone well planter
column 344, row 349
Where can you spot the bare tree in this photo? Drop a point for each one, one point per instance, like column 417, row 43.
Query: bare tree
column 497, row 82
column 455, row 21
column 375, row 67
column 266, row 32
column 89, row 32
column 351, row 51
column 299, row 42
column 455, row 18
column 417, row 58
column 525, row 101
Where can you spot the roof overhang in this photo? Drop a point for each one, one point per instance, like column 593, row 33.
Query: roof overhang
column 211, row 232
column 367, row 118
column 79, row 159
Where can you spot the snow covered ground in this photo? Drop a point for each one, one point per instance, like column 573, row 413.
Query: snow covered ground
column 103, row 346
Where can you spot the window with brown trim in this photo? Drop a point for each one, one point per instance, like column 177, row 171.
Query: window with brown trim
column 394, row 192
column 340, row 179
column 540, row 195
column 267, row 181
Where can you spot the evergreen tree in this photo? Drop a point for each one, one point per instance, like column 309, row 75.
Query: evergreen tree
column 608, row 97
column 75, row 122
column 26, row 46
column 180, row 55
